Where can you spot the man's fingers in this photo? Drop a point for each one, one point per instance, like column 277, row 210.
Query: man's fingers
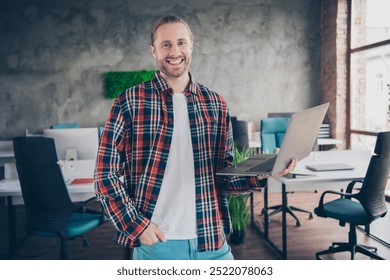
column 160, row 235
column 290, row 167
column 152, row 235
column 149, row 237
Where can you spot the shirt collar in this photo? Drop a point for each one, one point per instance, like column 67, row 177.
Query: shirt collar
column 162, row 86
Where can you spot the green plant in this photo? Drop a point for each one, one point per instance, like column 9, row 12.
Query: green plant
column 239, row 213
column 238, row 208
column 116, row 82
column 241, row 155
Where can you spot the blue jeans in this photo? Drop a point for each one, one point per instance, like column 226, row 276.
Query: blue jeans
column 180, row 250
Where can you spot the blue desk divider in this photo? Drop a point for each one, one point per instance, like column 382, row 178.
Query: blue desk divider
column 101, row 128
column 65, row 125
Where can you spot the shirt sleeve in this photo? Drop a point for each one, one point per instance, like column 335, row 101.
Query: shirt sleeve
column 238, row 185
column 109, row 187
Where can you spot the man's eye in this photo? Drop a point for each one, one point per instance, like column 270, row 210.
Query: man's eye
column 165, row 45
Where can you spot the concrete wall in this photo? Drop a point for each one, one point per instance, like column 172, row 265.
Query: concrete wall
column 261, row 55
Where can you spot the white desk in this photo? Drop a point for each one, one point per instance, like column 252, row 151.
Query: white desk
column 70, row 169
column 6, row 152
column 6, row 156
column 358, row 159
column 317, row 180
column 11, row 188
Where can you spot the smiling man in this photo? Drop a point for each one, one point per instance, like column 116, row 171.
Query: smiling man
column 171, row 46
column 161, row 146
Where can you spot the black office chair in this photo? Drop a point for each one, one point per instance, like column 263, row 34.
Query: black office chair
column 272, row 131
column 49, row 210
column 362, row 207
column 240, row 134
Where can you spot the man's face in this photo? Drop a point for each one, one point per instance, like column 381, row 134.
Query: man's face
column 172, row 49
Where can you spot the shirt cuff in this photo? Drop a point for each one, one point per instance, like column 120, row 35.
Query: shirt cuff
column 256, row 183
column 137, row 227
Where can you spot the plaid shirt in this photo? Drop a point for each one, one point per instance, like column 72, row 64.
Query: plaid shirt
column 134, row 150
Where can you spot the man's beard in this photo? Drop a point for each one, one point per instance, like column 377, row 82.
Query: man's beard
column 173, row 73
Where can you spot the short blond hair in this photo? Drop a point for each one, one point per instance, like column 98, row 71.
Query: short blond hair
column 168, row 19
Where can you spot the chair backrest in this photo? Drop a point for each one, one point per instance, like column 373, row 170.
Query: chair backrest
column 272, row 131
column 240, row 134
column 372, row 194
column 46, row 198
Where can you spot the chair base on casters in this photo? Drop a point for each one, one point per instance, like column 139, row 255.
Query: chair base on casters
column 289, row 209
column 351, row 246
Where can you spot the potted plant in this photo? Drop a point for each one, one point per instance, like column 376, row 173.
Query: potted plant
column 238, row 208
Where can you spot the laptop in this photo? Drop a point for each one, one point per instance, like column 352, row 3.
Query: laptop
column 329, row 167
column 298, row 142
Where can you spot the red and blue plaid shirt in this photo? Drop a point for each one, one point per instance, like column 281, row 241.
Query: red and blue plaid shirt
column 133, row 155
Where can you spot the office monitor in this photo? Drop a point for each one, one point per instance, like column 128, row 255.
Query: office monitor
column 75, row 143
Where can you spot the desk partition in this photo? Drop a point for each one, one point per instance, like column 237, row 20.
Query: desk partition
column 75, row 143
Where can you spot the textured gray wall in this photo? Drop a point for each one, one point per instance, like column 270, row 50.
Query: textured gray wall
column 261, row 55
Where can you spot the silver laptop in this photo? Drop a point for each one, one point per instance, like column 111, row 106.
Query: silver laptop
column 298, row 142
column 329, row 167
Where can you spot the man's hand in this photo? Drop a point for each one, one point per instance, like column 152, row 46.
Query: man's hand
column 290, row 167
column 152, row 235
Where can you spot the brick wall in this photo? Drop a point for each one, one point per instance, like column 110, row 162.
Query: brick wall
column 334, row 35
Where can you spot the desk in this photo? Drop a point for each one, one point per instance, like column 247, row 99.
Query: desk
column 11, row 190
column 317, row 180
column 6, row 149
column 6, row 156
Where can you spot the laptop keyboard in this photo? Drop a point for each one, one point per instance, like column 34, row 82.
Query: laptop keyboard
column 264, row 166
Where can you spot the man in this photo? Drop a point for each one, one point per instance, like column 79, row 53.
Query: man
column 161, row 146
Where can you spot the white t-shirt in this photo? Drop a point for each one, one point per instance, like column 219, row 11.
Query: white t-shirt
column 175, row 212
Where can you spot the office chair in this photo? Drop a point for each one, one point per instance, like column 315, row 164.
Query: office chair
column 240, row 134
column 272, row 131
column 49, row 210
column 360, row 207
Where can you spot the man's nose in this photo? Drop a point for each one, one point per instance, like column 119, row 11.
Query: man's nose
column 174, row 50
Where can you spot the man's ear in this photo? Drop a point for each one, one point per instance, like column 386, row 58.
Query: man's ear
column 153, row 51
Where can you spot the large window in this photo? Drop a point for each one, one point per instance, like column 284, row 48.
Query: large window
column 369, row 57
column 369, row 71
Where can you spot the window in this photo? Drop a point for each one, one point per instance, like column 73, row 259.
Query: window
column 370, row 22
column 369, row 56
column 369, row 71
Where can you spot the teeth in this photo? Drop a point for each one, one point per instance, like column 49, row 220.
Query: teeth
column 177, row 61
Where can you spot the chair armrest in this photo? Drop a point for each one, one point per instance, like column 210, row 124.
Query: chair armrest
column 351, row 185
column 82, row 206
column 343, row 195
column 85, row 202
